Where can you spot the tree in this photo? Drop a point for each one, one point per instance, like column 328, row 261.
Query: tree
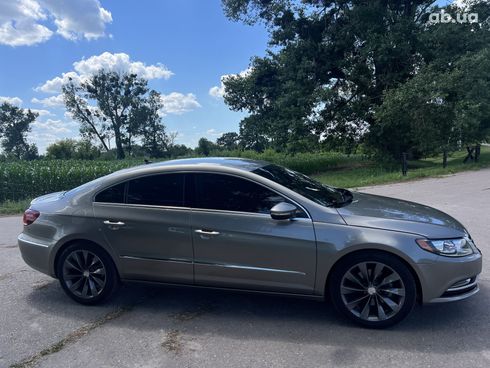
column 330, row 64
column 205, row 146
column 106, row 105
column 228, row 141
column 66, row 149
column 14, row 125
column 63, row 150
column 178, row 150
column 155, row 139
column 438, row 110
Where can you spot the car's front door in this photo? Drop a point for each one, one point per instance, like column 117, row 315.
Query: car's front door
column 237, row 244
column 147, row 223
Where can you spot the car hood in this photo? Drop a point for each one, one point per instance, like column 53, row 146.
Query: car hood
column 398, row 215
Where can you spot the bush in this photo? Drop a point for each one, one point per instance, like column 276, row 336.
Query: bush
column 67, row 149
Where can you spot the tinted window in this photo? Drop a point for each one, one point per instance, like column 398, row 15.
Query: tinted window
column 307, row 187
column 224, row 192
column 114, row 194
column 157, row 190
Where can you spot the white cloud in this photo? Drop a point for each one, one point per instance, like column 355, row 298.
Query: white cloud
column 50, row 101
column 47, row 132
column 178, row 103
column 213, row 133
column 42, row 112
column 54, row 85
column 120, row 63
column 219, row 91
column 11, row 100
column 55, row 126
column 26, row 22
column 78, row 19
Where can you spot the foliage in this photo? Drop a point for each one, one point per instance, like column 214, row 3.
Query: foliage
column 204, row 147
column 228, row 141
column 72, row 149
column 111, row 105
column 22, row 179
column 14, row 126
column 155, row 139
column 331, row 63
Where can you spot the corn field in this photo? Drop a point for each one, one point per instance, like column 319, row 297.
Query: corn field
column 21, row 180
column 28, row 179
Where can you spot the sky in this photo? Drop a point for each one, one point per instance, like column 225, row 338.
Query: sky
column 182, row 47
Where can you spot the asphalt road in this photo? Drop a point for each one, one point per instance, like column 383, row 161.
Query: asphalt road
column 155, row 326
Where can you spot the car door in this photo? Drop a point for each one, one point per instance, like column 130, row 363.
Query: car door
column 146, row 221
column 237, row 244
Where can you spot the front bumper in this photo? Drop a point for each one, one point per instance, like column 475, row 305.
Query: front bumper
column 450, row 279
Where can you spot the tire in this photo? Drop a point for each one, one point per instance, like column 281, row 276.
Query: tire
column 87, row 273
column 373, row 289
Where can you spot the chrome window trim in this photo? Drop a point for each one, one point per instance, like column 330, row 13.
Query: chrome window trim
column 200, row 209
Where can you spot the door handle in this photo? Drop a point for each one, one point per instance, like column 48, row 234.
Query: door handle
column 114, row 225
column 207, row 232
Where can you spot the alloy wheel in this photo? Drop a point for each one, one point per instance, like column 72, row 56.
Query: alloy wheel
column 84, row 274
column 372, row 291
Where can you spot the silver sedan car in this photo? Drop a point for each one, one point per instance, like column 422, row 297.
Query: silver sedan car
column 251, row 226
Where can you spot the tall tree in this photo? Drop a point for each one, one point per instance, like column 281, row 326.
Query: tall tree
column 331, row 62
column 228, row 141
column 155, row 139
column 14, row 125
column 104, row 105
column 439, row 109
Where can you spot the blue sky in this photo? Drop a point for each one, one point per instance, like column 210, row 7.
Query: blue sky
column 191, row 40
column 182, row 47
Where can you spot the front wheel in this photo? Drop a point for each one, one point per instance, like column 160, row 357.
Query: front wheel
column 376, row 290
column 87, row 273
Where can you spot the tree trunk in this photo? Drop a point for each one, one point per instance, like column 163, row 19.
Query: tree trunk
column 119, row 147
column 444, row 159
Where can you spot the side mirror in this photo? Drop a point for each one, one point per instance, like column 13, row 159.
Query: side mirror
column 283, row 211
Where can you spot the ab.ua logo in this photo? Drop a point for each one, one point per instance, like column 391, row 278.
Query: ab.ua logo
column 443, row 17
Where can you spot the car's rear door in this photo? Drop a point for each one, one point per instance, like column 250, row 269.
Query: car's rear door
column 148, row 224
column 237, row 244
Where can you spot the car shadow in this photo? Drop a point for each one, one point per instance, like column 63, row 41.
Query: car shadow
column 437, row 328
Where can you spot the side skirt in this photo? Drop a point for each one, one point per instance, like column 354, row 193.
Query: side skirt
column 234, row 290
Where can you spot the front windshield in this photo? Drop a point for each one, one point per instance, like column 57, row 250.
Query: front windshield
column 302, row 184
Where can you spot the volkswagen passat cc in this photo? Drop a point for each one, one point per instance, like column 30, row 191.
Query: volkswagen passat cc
column 250, row 225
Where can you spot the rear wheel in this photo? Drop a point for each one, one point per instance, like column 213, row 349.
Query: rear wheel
column 86, row 273
column 373, row 289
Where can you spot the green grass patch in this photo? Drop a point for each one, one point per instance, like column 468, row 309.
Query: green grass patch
column 14, row 207
column 373, row 174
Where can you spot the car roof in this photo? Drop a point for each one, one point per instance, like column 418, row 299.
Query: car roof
column 232, row 162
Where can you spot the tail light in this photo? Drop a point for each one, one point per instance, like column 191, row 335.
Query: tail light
column 30, row 216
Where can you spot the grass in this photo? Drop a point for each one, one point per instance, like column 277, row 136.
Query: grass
column 370, row 173
column 20, row 180
column 11, row 207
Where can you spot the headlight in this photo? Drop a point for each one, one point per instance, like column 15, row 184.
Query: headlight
column 448, row 247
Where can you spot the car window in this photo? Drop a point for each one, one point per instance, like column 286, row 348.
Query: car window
column 114, row 194
column 225, row 192
column 157, row 190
